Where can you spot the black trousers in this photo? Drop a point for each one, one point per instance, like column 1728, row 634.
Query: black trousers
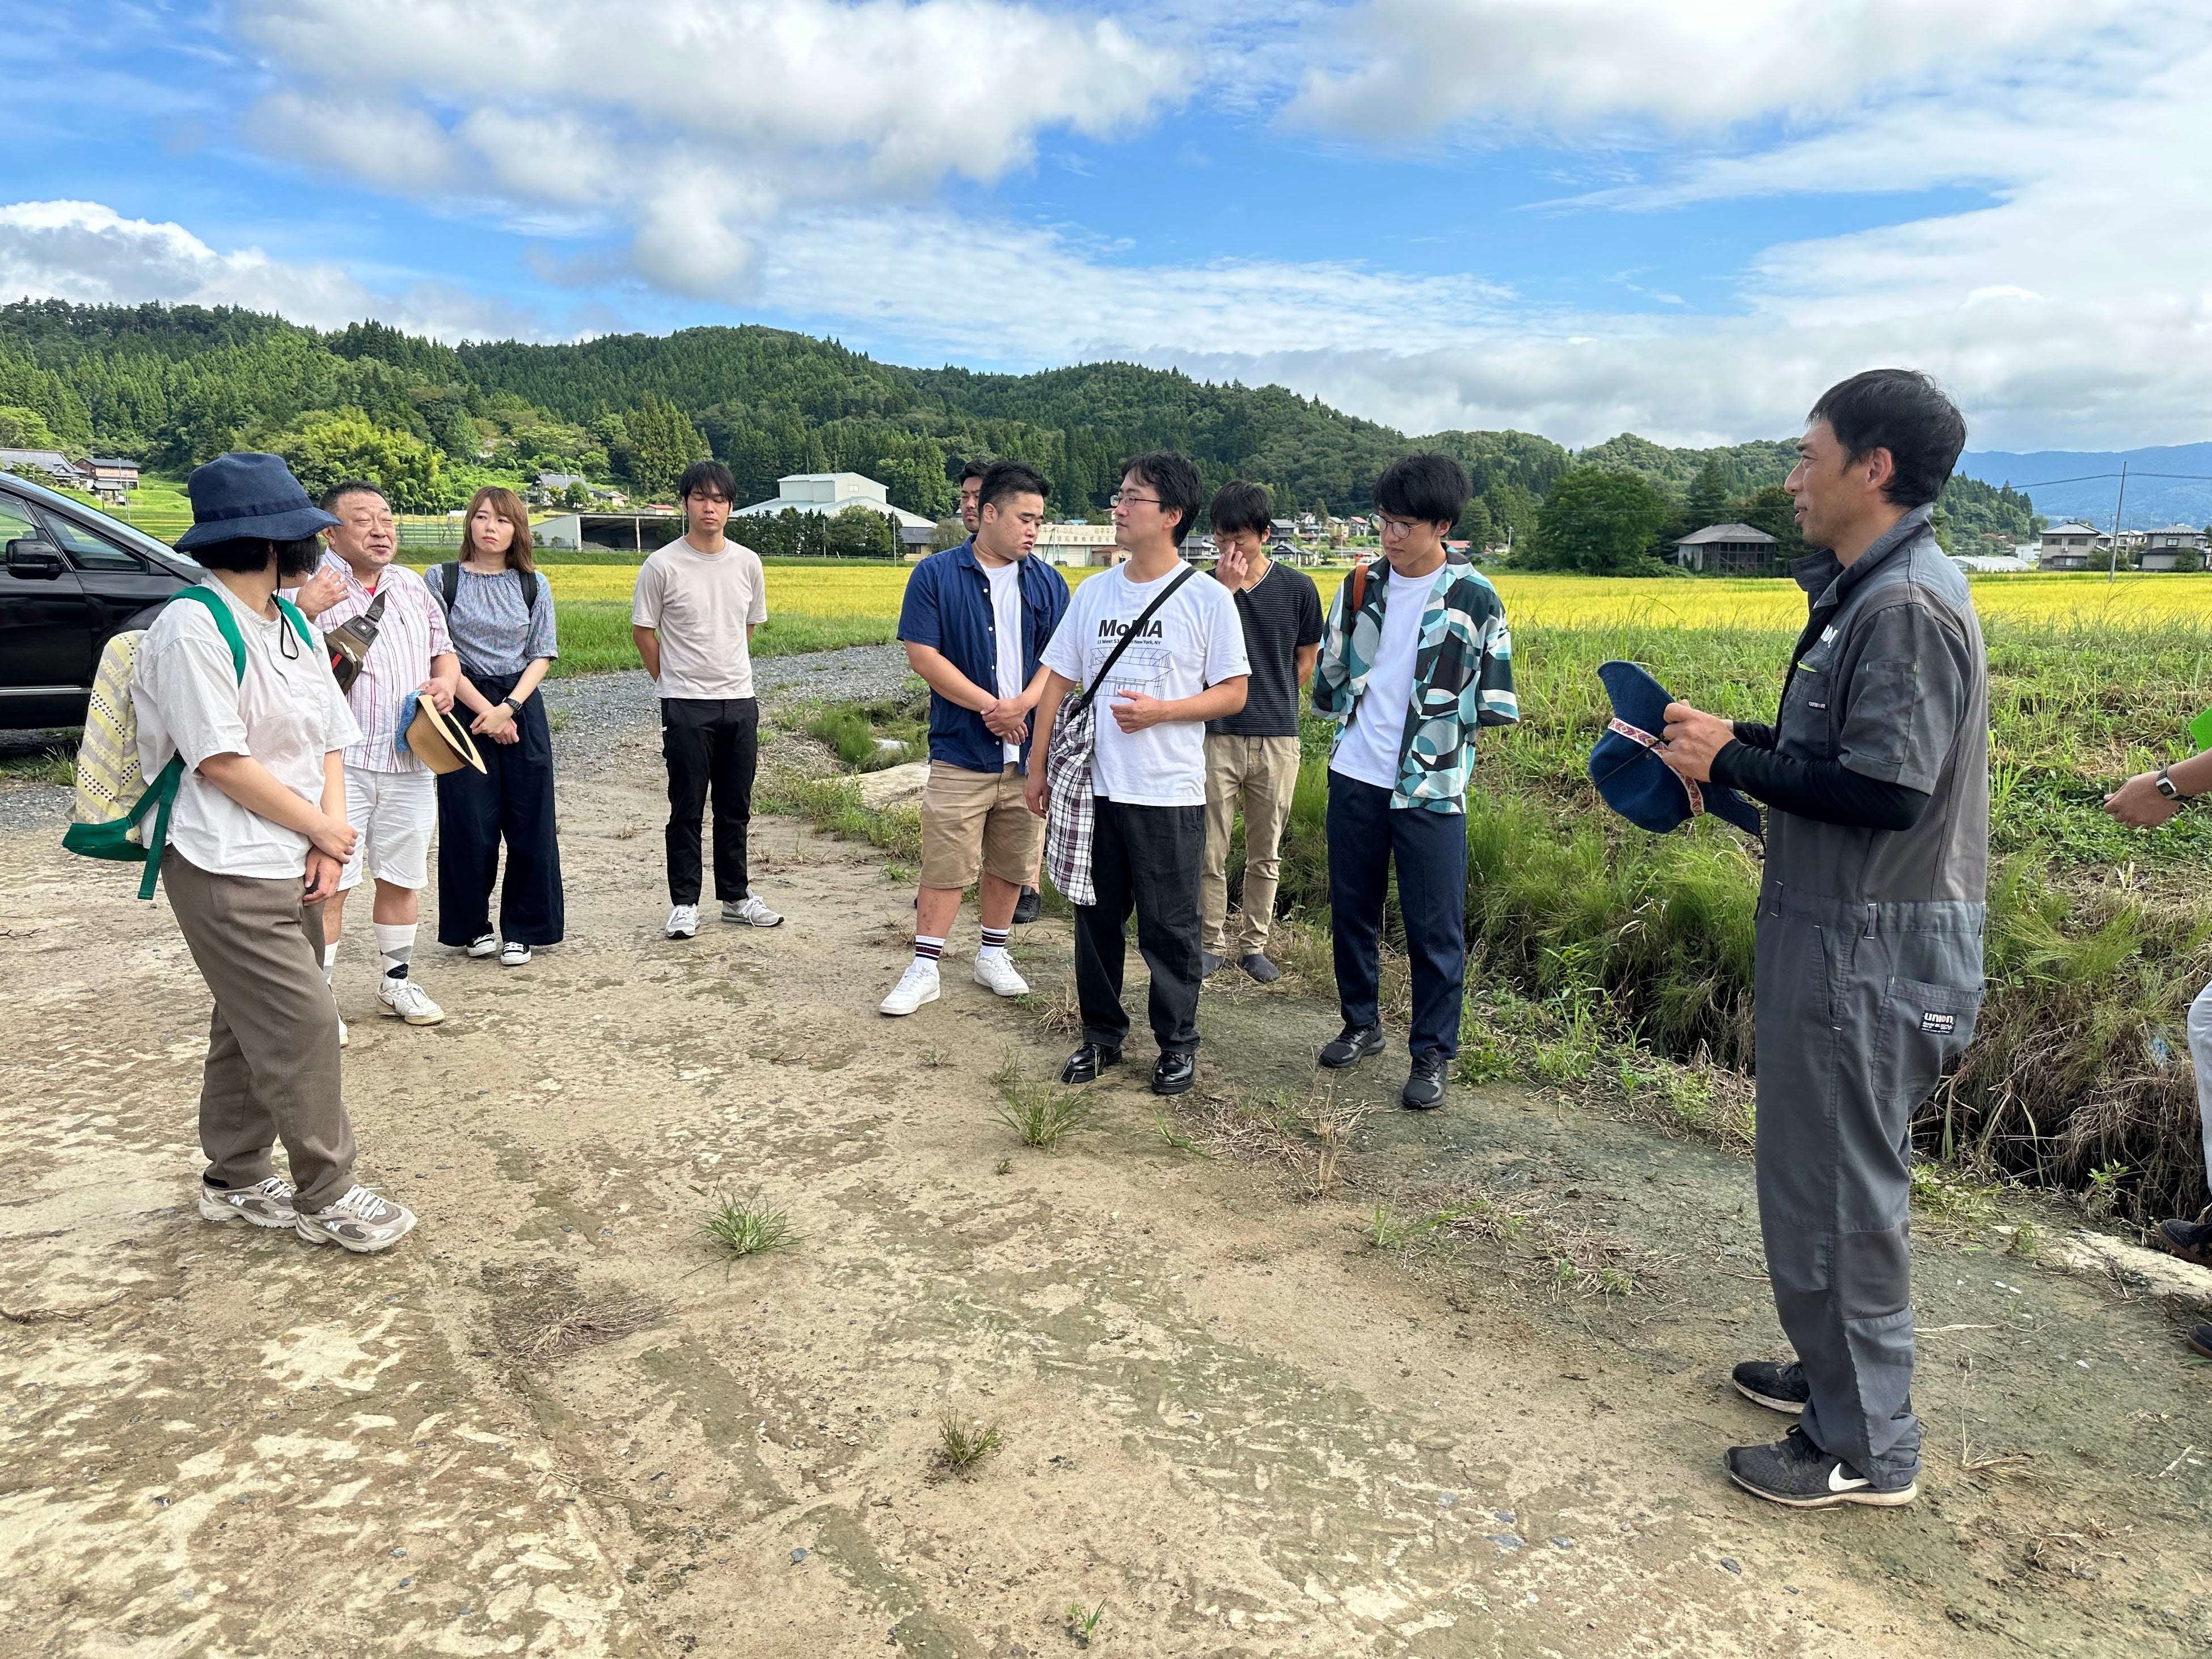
column 1366, row 836
column 1148, row 858
column 709, row 745
column 510, row 800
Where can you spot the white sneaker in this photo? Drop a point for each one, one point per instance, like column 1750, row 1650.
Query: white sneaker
column 408, row 1000
column 343, row 1037
column 483, row 944
column 918, row 985
column 513, row 954
column 683, row 922
column 265, row 1203
column 996, row 974
column 749, row 911
column 360, row 1222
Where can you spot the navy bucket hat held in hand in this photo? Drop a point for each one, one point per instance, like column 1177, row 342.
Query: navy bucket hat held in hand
column 249, row 495
column 1630, row 776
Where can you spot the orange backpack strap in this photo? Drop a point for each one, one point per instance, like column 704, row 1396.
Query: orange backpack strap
column 1358, row 590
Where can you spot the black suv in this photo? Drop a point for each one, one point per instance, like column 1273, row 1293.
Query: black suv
column 71, row 578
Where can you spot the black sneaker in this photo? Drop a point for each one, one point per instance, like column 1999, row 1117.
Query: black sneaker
column 2190, row 1240
column 1424, row 1084
column 1352, row 1044
column 1262, row 972
column 1209, row 965
column 2200, row 1341
column 1176, row 1072
column 1085, row 1064
column 1028, row 907
column 1794, row 1471
column 1779, row 1388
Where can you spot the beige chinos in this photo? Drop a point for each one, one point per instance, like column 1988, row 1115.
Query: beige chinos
column 1261, row 775
column 272, row 1058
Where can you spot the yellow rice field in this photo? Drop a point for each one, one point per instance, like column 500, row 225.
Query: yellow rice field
column 1551, row 601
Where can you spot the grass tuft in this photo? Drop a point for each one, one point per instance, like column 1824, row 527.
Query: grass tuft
column 1040, row 1114
column 961, row 1446
column 1082, row 1622
column 745, row 1226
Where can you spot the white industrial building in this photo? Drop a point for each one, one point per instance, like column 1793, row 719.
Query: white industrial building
column 829, row 494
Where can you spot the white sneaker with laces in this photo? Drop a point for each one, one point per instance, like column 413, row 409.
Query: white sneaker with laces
column 995, row 973
column 918, row 985
column 483, row 944
column 408, row 1000
column 360, row 1222
column 683, row 922
column 513, row 954
column 749, row 911
column 265, row 1203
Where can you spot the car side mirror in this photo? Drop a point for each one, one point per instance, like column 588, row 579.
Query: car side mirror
column 35, row 561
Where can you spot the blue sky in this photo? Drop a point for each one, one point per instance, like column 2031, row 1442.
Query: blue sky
column 1573, row 217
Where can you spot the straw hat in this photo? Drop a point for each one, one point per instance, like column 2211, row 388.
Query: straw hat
column 435, row 737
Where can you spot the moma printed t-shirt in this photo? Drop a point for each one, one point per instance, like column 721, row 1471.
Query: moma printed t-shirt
column 1192, row 641
column 702, row 604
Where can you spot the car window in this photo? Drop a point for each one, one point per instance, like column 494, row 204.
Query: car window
column 87, row 551
column 15, row 525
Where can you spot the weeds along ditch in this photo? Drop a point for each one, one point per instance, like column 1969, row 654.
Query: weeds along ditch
column 2079, row 1075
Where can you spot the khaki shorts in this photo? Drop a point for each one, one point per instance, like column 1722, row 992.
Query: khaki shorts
column 975, row 821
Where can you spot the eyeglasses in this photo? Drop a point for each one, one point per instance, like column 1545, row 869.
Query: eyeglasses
column 1385, row 525
column 1123, row 498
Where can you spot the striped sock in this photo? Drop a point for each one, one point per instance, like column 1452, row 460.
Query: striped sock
column 994, row 941
column 926, row 949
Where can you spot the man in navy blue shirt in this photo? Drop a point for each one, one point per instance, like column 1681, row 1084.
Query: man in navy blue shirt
column 975, row 620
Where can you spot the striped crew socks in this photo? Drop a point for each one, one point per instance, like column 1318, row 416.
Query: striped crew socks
column 927, row 950
column 994, row 941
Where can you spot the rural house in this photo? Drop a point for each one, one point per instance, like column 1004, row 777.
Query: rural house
column 62, row 472
column 112, row 479
column 2173, row 547
column 1728, row 550
column 2070, row 546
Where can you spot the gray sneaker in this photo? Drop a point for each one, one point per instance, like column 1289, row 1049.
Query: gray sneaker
column 749, row 911
column 360, row 1222
column 265, row 1203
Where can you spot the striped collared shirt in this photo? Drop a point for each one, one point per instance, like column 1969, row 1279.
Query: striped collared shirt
column 411, row 631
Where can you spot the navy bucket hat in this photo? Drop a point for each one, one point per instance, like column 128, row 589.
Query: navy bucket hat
column 249, row 495
column 1630, row 776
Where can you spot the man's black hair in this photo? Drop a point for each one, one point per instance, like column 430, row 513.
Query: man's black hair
column 1175, row 481
column 345, row 486
column 1428, row 487
column 1241, row 506
column 1004, row 478
column 295, row 560
column 976, row 468
column 1905, row 412
column 707, row 478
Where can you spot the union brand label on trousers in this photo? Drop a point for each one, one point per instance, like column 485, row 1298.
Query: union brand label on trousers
column 1939, row 1024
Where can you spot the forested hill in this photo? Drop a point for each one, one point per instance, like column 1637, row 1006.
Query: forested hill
column 172, row 386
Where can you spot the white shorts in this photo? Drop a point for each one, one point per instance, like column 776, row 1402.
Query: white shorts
column 395, row 813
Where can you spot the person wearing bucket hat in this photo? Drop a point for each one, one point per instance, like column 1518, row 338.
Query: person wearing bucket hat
column 237, row 685
column 1869, row 935
column 1630, row 776
column 392, row 795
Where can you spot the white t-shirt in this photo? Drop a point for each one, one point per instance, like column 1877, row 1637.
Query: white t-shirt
column 1369, row 750
column 1193, row 641
column 287, row 713
column 1007, row 625
column 701, row 604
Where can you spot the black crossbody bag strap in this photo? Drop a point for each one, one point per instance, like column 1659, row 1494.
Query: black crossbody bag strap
column 1135, row 627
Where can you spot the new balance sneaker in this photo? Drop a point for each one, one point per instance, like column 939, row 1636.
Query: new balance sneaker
column 265, row 1203
column 360, row 1222
column 405, row 1000
column 2190, row 1240
column 483, row 944
column 1796, row 1472
column 1777, row 1386
column 749, row 911
column 918, row 985
column 513, row 954
column 1351, row 1045
column 683, row 922
column 995, row 973
column 1029, row 907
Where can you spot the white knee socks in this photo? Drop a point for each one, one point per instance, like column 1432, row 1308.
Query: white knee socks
column 395, row 943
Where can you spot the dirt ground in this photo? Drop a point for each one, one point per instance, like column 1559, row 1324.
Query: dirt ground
column 1227, row 1415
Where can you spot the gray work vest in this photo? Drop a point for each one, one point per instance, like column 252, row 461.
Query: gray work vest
column 1890, row 678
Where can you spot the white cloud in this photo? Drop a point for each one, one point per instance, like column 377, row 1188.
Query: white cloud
column 87, row 252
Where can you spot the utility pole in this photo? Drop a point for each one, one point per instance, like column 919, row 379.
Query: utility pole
column 2112, row 573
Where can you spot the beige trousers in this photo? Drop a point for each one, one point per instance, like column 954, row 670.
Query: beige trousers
column 1259, row 775
column 272, row 1058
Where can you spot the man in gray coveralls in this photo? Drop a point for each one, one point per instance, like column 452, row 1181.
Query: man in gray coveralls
column 1869, row 929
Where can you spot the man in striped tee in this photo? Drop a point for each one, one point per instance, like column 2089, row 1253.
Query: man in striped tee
column 392, row 798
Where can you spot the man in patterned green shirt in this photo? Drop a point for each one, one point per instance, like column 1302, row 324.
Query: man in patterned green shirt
column 1411, row 665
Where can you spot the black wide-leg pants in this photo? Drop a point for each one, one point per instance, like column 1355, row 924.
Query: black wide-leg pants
column 511, row 800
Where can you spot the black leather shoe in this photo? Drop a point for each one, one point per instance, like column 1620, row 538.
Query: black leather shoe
column 1352, row 1044
column 1085, row 1064
column 1028, row 907
column 1424, row 1084
column 1176, row 1072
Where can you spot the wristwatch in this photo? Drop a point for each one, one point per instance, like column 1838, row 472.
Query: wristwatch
column 2165, row 787
column 514, row 707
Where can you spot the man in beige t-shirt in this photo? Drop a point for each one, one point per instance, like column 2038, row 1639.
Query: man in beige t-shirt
column 692, row 614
